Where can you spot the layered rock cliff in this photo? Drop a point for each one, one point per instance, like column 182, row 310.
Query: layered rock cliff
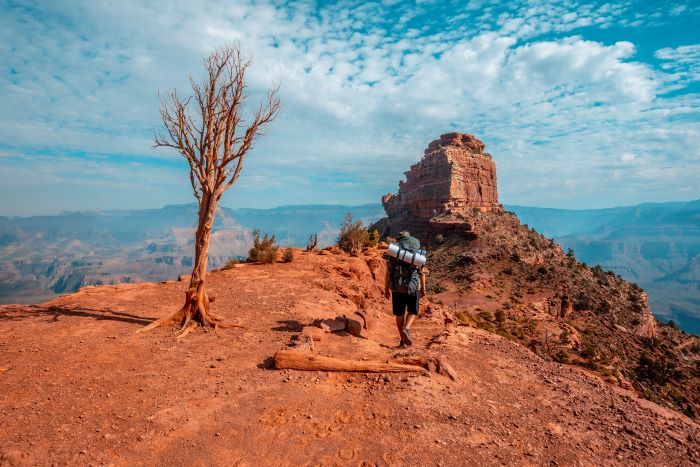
column 454, row 177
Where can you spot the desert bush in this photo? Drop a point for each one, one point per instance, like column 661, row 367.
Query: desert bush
column 352, row 237
column 231, row 263
column 582, row 303
column 508, row 271
column 515, row 256
column 485, row 315
column 264, row 249
column 603, row 308
column 439, row 288
column 288, row 255
column 439, row 238
column 374, row 238
column 564, row 337
column 500, row 315
column 561, row 356
column 589, row 350
column 656, row 370
column 312, row 242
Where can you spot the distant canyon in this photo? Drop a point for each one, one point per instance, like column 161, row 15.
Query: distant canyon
column 655, row 245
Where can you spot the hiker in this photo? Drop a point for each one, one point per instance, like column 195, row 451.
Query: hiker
column 405, row 284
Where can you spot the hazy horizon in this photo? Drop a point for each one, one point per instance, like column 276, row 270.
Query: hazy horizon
column 193, row 202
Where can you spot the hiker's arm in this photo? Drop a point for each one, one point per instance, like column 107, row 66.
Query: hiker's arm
column 422, row 281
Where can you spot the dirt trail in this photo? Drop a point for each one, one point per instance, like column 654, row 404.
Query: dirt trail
column 81, row 389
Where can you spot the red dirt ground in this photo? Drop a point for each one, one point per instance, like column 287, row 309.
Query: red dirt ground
column 79, row 388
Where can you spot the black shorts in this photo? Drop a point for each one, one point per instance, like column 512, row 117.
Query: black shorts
column 402, row 301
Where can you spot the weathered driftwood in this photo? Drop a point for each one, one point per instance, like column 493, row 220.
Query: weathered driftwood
column 286, row 359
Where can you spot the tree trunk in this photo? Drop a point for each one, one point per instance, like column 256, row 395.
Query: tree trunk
column 196, row 308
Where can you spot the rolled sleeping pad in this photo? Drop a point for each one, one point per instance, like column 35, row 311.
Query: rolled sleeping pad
column 417, row 259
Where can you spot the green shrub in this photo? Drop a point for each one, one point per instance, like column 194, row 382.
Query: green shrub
column 656, row 370
column 582, row 303
column 353, row 236
column 288, row 255
column 564, row 337
column 439, row 288
column 500, row 315
column 264, row 249
column 561, row 356
column 374, row 238
column 485, row 315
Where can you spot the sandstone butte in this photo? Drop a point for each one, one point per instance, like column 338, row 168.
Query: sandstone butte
column 79, row 388
column 455, row 175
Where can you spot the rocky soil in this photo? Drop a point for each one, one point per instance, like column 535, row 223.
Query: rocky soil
column 79, row 388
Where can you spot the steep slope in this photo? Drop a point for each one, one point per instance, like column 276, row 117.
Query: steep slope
column 655, row 245
column 508, row 279
column 80, row 388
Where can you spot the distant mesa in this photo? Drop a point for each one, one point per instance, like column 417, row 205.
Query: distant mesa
column 454, row 176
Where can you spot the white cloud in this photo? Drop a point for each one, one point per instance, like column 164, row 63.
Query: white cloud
column 361, row 96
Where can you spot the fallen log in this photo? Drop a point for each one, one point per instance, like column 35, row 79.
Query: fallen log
column 286, row 359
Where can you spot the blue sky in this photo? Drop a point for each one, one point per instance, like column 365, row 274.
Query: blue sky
column 582, row 104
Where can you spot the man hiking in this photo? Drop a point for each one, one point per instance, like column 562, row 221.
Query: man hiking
column 404, row 284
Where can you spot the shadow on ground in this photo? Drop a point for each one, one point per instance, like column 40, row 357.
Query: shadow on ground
column 15, row 313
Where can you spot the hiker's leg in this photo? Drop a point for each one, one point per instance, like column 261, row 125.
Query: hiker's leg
column 409, row 321
column 398, row 306
column 399, row 323
column 413, row 307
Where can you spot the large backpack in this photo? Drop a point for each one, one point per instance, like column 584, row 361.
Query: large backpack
column 403, row 277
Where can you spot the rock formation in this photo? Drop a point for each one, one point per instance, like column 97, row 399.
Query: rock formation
column 454, row 176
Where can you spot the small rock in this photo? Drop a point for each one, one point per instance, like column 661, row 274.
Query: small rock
column 354, row 328
column 332, row 325
column 313, row 332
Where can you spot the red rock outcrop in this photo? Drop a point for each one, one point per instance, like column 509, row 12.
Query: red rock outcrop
column 454, row 176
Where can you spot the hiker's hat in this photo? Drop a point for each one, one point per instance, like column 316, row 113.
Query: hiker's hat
column 404, row 233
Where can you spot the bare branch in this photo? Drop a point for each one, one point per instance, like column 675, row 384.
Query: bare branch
column 209, row 134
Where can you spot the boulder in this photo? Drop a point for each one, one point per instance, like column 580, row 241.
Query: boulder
column 332, row 325
column 354, row 327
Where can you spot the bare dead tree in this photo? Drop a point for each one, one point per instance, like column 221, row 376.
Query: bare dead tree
column 207, row 129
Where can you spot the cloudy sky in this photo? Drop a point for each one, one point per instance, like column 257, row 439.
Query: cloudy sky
column 582, row 104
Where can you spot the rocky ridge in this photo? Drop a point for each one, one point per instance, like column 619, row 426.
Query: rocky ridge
column 500, row 275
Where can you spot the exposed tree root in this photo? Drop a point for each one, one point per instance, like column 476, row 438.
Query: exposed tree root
column 195, row 312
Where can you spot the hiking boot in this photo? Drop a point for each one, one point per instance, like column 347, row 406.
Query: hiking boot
column 402, row 344
column 406, row 337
